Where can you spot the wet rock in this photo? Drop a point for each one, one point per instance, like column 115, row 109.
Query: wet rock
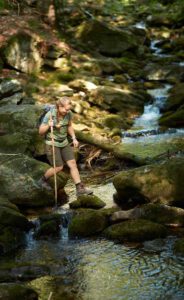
column 87, row 223
column 174, row 108
column 9, row 87
column 179, row 247
column 49, row 226
column 22, row 52
column 87, row 201
column 159, row 183
column 49, row 229
column 135, row 231
column 10, row 216
column 11, row 237
column 17, row 291
column 162, row 214
column 173, row 119
column 175, row 99
column 23, row 273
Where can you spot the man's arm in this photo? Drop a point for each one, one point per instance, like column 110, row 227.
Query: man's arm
column 71, row 132
column 46, row 124
column 43, row 129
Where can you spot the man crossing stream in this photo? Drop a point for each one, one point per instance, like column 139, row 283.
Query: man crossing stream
column 60, row 120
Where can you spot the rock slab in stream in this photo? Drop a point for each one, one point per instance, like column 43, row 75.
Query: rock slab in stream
column 135, row 231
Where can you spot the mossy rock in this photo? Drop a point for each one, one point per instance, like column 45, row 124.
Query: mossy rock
column 176, row 98
column 9, row 216
column 173, row 119
column 88, row 223
column 179, row 247
column 87, row 201
column 135, row 231
column 48, row 229
column 57, row 218
column 10, row 239
column 12, row 291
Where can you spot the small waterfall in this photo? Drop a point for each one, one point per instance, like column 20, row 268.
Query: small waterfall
column 157, row 51
column 140, row 25
column 66, row 216
column 149, row 119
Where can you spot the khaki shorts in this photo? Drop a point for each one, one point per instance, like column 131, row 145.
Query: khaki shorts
column 62, row 155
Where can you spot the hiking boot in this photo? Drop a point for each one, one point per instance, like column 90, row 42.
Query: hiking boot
column 42, row 182
column 82, row 190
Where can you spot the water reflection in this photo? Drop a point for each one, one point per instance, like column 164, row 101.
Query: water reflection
column 100, row 269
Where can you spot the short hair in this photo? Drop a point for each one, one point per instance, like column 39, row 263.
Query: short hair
column 62, row 101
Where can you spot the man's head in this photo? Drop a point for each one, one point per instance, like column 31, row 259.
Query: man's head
column 63, row 105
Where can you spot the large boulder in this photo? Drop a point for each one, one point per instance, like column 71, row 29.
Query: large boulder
column 18, row 124
column 19, row 175
column 22, row 52
column 100, row 37
column 161, row 183
column 11, row 237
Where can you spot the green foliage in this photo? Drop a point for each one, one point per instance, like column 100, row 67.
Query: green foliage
column 2, row 4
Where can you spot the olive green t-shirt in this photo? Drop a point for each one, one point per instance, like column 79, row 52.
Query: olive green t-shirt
column 59, row 134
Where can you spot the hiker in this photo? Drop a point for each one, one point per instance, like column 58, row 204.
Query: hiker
column 60, row 118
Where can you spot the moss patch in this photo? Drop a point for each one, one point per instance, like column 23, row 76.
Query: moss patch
column 135, row 231
column 88, row 201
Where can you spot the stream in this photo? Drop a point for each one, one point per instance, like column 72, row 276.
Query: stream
column 99, row 269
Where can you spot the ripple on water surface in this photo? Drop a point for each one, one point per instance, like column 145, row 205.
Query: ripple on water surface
column 100, row 269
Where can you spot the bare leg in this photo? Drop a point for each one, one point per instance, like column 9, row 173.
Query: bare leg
column 74, row 172
column 50, row 172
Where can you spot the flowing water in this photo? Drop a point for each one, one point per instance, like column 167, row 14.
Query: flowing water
column 98, row 269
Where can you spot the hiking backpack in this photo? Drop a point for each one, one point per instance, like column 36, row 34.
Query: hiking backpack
column 46, row 109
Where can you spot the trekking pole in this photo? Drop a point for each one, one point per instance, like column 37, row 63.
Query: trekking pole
column 54, row 161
